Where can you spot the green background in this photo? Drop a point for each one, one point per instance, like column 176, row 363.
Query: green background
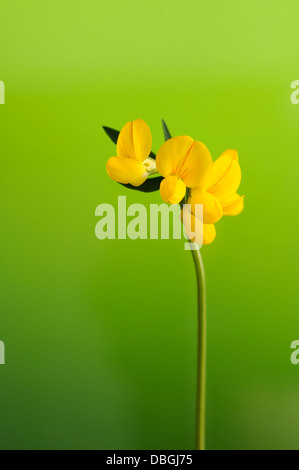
column 101, row 335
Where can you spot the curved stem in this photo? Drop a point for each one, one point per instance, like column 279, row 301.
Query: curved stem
column 202, row 344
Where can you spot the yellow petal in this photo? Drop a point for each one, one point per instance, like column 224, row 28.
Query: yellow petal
column 212, row 209
column 135, row 141
column 172, row 154
column 197, row 166
column 142, row 139
column 126, row 171
column 225, row 178
column 234, row 205
column 172, row 189
column 197, row 231
column 220, row 167
column 233, row 154
column 125, row 144
column 209, row 234
column 186, row 158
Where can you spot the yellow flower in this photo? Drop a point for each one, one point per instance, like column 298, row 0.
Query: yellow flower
column 218, row 192
column 184, row 163
column 132, row 165
column 196, row 231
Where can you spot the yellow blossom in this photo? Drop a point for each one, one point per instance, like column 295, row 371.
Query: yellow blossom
column 218, row 193
column 132, row 165
column 184, row 163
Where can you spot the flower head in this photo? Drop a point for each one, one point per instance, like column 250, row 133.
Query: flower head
column 188, row 176
column 217, row 193
column 184, row 163
column 132, row 165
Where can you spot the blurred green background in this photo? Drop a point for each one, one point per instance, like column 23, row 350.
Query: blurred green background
column 101, row 335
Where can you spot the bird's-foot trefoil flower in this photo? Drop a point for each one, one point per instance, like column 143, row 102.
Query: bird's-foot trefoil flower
column 184, row 163
column 218, row 192
column 132, row 165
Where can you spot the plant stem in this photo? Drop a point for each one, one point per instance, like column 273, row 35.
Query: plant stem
column 202, row 344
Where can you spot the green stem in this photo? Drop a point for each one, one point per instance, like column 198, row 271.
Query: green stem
column 202, row 344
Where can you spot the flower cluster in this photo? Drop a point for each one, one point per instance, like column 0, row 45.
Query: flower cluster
column 188, row 172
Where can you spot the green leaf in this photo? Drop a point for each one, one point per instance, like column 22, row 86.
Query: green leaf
column 167, row 134
column 150, row 185
column 113, row 134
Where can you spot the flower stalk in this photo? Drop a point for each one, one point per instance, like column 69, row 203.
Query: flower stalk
column 202, row 346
